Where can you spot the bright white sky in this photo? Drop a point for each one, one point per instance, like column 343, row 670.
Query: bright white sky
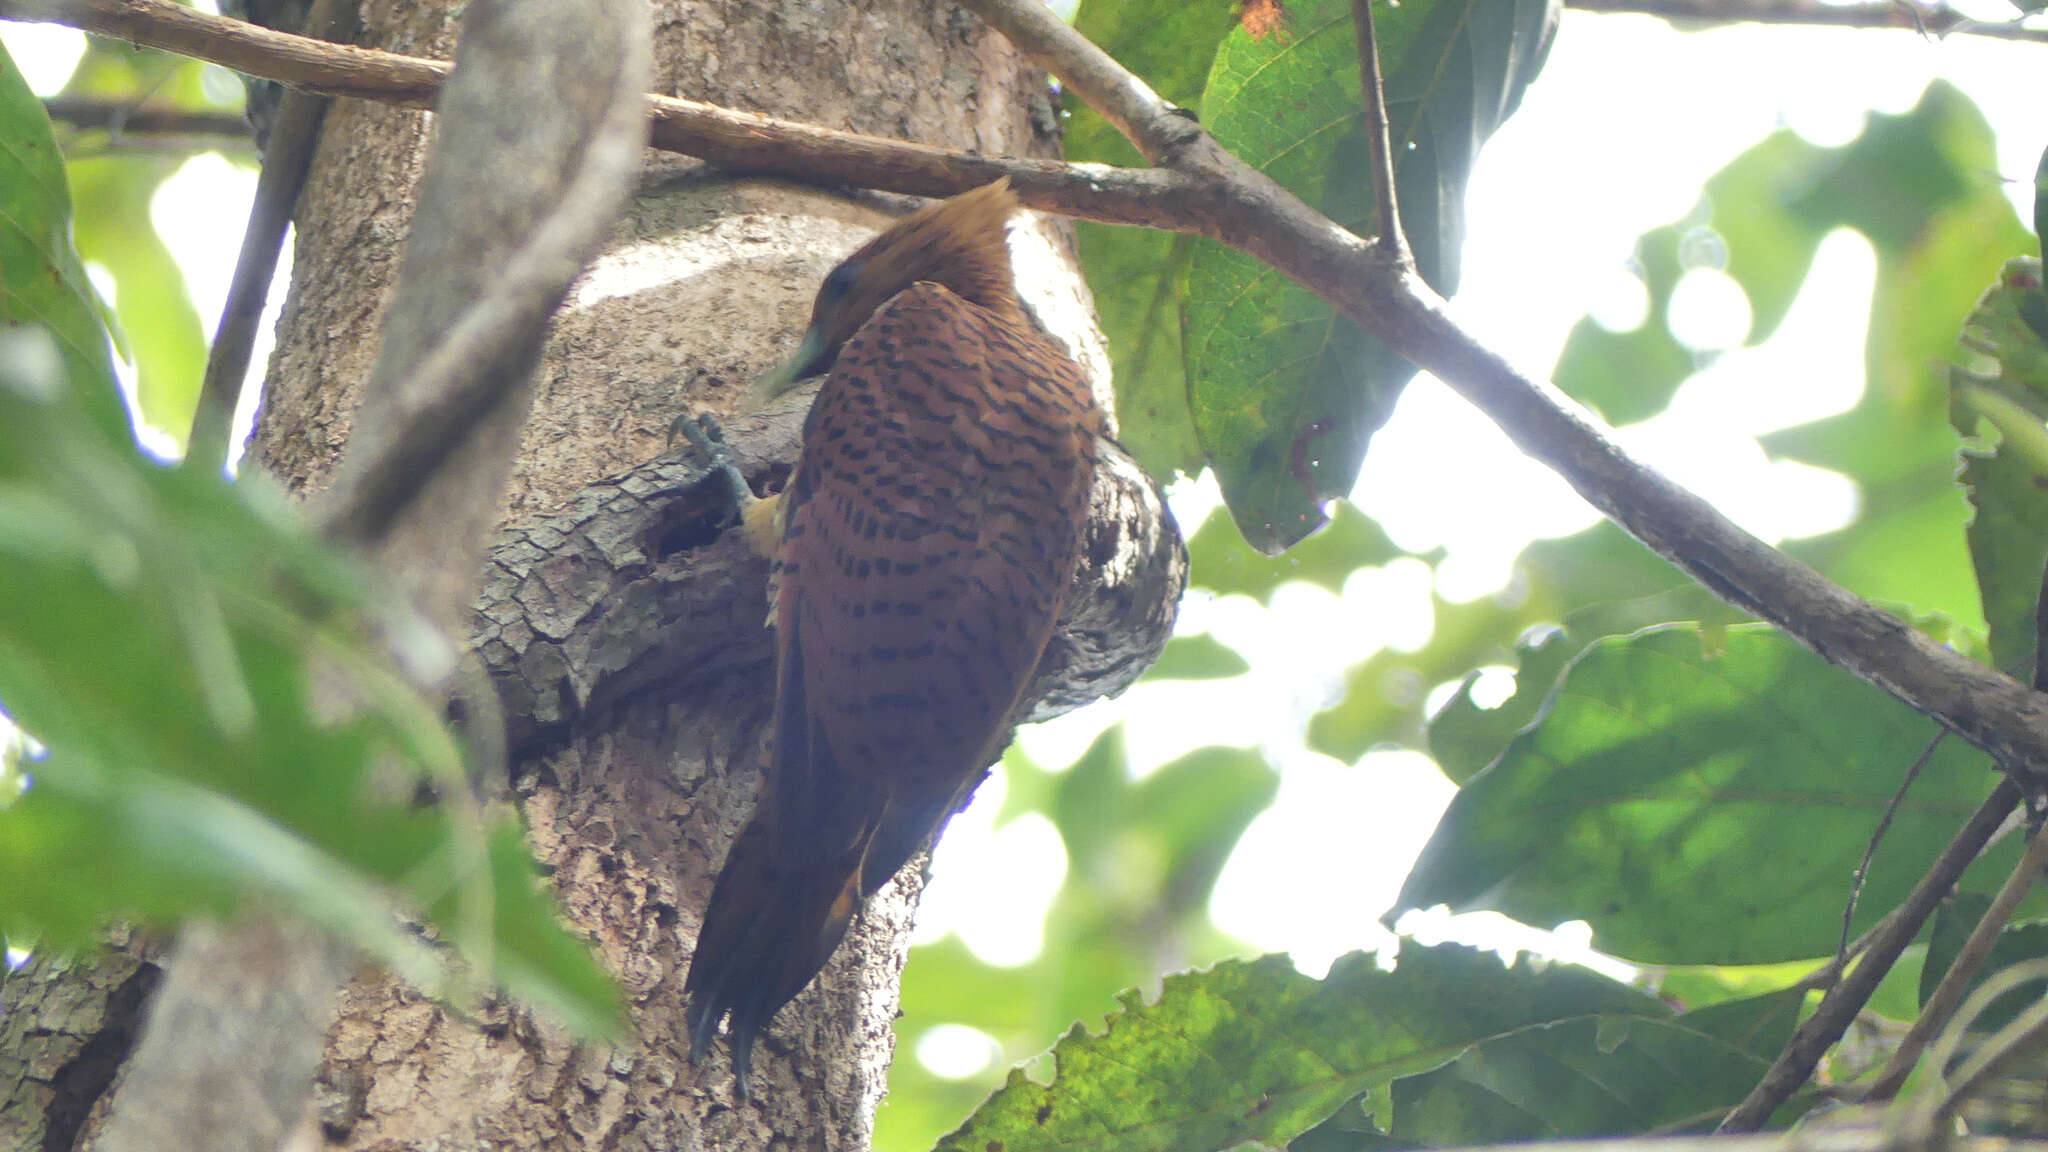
column 1616, row 137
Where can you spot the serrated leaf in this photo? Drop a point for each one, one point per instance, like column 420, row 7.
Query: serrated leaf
column 1254, row 1051
column 1700, row 805
column 42, row 281
column 1914, row 185
column 1998, row 405
column 1285, row 393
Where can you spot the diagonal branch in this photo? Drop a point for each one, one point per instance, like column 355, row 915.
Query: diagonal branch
column 1213, row 194
column 1911, row 15
column 1794, row 1066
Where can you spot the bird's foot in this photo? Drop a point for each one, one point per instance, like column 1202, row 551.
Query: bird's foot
column 703, row 433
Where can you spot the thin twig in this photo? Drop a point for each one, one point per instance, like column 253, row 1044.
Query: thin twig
column 1930, row 19
column 122, row 117
column 1839, row 1007
column 1884, row 825
column 1373, row 92
column 285, row 163
column 1220, row 197
column 1948, row 995
column 2022, row 1035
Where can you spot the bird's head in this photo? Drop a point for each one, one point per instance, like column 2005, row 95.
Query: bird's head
column 961, row 243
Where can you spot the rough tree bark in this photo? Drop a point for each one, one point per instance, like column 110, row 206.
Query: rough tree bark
column 624, row 634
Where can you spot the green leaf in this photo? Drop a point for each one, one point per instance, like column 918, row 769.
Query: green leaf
column 1700, row 803
column 163, row 329
column 162, row 632
column 1254, row 1051
column 1154, row 848
column 1759, row 1026
column 1999, row 405
column 42, row 281
column 1464, row 738
column 1384, row 695
column 1136, row 274
column 1138, row 277
column 1285, row 393
column 1574, row 1080
column 1219, row 560
column 1200, row 657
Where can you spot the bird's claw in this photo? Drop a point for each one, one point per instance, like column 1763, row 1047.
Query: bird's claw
column 703, row 433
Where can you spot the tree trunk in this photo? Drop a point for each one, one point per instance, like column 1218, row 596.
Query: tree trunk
column 624, row 634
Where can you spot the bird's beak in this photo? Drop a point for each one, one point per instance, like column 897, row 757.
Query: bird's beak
column 807, row 360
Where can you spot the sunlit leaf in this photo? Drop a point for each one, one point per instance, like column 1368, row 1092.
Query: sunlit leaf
column 1254, row 1051
column 163, row 329
column 1198, row 658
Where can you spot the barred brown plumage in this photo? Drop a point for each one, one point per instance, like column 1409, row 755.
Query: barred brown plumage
column 929, row 535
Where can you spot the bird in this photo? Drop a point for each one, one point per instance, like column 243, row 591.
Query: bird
column 922, row 551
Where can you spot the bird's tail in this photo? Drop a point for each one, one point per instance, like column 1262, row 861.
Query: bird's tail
column 769, row 928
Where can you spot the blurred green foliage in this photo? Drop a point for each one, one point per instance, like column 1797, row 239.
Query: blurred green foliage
column 221, row 728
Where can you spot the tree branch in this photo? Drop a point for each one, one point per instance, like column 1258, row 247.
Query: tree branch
column 1373, row 92
column 1216, row 195
column 223, row 130
column 1929, row 19
column 286, row 160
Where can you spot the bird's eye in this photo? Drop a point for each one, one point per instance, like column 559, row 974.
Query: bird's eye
column 840, row 283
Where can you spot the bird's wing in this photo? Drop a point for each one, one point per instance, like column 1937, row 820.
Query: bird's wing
column 933, row 531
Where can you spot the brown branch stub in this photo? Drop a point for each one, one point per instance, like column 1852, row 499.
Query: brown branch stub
column 1908, row 15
